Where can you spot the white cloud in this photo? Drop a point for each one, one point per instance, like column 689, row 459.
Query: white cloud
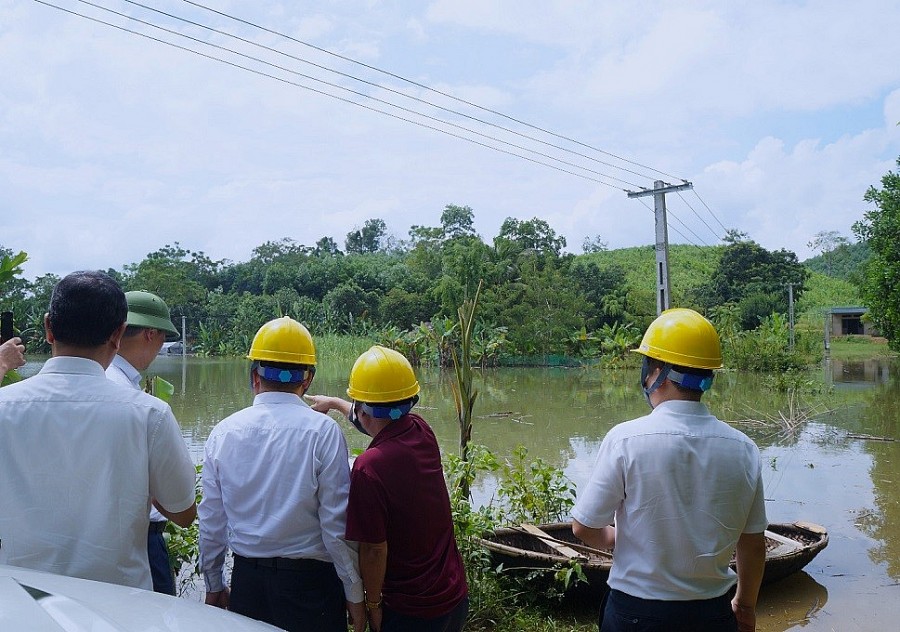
column 782, row 195
column 119, row 145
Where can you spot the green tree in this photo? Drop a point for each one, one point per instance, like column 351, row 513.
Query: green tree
column 347, row 304
column 735, row 236
column 457, row 221
column 285, row 248
column 179, row 276
column 327, row 247
column 846, row 262
column 880, row 228
column 594, row 244
column 531, row 235
column 367, row 239
column 755, row 279
column 604, row 289
column 826, row 242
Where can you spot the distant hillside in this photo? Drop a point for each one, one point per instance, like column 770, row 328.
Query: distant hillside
column 689, row 266
column 823, row 292
column 692, row 266
column 844, row 262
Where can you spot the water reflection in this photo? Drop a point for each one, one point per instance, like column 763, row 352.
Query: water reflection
column 844, row 374
column 797, row 600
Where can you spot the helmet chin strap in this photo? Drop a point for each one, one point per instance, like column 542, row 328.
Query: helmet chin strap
column 645, row 373
column 355, row 420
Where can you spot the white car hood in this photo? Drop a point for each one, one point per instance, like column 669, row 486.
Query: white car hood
column 33, row 601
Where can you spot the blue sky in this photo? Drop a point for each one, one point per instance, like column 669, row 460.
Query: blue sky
column 780, row 113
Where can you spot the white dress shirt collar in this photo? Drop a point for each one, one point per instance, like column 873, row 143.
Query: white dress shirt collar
column 130, row 372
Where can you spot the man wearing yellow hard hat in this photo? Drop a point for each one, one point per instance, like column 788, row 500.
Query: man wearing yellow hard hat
column 399, row 507
column 148, row 325
column 275, row 482
column 676, row 492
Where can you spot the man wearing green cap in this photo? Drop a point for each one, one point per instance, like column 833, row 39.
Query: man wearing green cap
column 148, row 326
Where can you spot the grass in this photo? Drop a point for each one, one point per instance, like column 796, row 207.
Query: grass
column 859, row 348
column 341, row 349
column 534, row 621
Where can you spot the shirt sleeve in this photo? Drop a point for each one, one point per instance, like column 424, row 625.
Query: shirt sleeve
column 757, row 522
column 172, row 473
column 213, row 525
column 597, row 500
column 367, row 509
column 333, row 491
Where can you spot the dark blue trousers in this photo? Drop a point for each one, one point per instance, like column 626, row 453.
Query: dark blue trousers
column 621, row 612
column 158, row 554
column 293, row 594
column 453, row 621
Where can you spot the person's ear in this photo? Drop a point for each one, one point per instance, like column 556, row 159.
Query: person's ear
column 116, row 338
column 48, row 333
column 307, row 382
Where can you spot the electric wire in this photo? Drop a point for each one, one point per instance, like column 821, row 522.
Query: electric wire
column 430, row 89
column 357, row 93
column 387, row 103
column 315, row 90
column 710, row 211
column 682, row 235
column 715, row 234
column 391, row 90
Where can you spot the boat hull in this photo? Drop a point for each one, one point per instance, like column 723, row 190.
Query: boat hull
column 789, row 548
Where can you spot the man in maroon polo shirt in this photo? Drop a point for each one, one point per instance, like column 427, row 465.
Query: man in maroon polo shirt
column 399, row 508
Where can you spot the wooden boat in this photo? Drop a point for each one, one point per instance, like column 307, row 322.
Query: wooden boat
column 789, row 547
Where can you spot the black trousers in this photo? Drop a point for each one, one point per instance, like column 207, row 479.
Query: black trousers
column 620, row 612
column 453, row 621
column 296, row 595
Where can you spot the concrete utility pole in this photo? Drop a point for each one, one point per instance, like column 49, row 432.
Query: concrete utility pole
column 791, row 312
column 658, row 192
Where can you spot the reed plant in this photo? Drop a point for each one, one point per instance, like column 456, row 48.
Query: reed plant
column 341, row 348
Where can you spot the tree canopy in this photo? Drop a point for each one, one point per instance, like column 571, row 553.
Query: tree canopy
column 536, row 299
column 880, row 229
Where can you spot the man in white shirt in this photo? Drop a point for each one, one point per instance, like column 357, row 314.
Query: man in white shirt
column 685, row 490
column 276, row 479
column 148, row 325
column 80, row 456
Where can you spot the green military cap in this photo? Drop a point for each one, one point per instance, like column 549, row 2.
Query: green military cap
column 148, row 310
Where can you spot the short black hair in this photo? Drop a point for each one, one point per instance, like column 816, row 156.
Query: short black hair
column 86, row 307
column 133, row 330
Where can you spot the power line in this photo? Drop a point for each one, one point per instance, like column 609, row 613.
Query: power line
column 710, row 211
column 718, row 238
column 346, row 89
column 350, row 90
column 428, row 88
column 594, row 177
column 345, row 100
column 388, row 89
column 682, row 235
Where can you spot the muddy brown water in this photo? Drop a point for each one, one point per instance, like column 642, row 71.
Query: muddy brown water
column 838, row 466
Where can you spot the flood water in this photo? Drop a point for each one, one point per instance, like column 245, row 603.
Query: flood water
column 834, row 468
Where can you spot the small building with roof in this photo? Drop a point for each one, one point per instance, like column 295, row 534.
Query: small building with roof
column 850, row 321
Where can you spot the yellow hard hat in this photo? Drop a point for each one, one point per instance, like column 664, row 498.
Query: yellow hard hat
column 682, row 336
column 283, row 340
column 382, row 375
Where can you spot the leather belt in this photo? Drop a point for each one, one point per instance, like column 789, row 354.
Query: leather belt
column 282, row 563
